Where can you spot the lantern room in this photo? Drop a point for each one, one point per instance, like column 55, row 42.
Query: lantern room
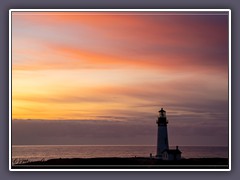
column 162, row 118
column 162, row 113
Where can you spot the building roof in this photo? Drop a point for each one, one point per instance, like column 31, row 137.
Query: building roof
column 172, row 151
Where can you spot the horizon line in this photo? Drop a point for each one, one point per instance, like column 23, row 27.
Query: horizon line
column 117, row 145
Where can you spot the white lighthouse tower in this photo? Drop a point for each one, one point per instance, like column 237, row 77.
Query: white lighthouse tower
column 162, row 138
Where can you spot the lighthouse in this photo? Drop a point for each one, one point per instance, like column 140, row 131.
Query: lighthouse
column 162, row 138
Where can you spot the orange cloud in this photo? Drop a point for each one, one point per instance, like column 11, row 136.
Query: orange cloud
column 90, row 65
column 70, row 57
column 166, row 42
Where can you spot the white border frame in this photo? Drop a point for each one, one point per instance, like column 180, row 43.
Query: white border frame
column 118, row 10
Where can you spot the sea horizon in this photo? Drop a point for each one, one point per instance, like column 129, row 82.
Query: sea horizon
column 115, row 145
column 46, row 152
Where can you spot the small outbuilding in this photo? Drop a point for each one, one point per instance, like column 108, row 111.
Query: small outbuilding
column 171, row 154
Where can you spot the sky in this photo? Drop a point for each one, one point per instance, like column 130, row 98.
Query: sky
column 102, row 77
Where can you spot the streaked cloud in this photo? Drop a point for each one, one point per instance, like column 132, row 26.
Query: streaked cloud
column 121, row 67
column 92, row 41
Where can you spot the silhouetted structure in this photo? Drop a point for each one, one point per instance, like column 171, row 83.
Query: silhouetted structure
column 171, row 154
column 163, row 151
column 162, row 139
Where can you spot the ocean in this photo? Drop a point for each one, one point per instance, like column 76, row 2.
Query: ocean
column 45, row 152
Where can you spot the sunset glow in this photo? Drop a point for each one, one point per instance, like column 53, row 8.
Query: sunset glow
column 118, row 65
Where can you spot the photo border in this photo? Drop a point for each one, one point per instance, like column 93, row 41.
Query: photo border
column 118, row 10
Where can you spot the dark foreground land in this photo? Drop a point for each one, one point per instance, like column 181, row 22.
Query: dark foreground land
column 126, row 163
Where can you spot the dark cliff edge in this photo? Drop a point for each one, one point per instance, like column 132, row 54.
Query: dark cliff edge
column 126, row 163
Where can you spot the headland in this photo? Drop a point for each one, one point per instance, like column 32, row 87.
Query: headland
column 125, row 163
